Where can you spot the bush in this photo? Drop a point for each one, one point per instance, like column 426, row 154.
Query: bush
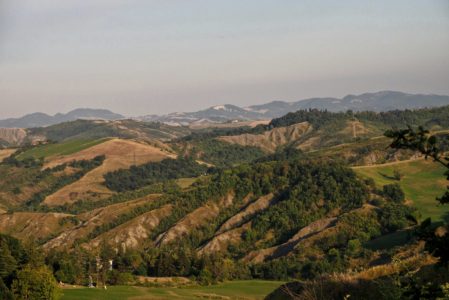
column 35, row 283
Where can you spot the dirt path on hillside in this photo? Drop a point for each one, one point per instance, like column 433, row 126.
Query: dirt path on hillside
column 390, row 163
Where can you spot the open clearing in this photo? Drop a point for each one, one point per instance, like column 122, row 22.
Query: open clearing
column 422, row 182
column 248, row 290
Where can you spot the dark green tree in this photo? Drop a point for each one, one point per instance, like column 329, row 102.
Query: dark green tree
column 8, row 263
column 393, row 192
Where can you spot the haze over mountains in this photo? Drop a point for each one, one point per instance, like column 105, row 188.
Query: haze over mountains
column 378, row 101
column 41, row 119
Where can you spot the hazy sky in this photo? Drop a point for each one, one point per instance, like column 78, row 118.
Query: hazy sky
column 141, row 57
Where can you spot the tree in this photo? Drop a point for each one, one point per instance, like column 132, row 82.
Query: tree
column 393, row 192
column 8, row 263
column 5, row 293
column 35, row 283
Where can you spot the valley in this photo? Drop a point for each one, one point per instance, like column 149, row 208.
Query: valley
column 308, row 194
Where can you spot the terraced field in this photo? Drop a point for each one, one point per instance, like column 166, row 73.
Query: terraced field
column 423, row 181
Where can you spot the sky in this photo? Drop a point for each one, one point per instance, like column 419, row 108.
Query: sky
column 139, row 57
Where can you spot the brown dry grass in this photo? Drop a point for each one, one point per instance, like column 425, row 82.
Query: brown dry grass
column 28, row 225
column 163, row 280
column 4, row 153
column 120, row 154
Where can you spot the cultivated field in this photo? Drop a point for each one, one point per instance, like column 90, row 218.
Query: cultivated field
column 248, row 290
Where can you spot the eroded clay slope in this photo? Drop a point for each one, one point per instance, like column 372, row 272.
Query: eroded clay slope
column 259, row 256
column 92, row 219
column 220, row 242
column 13, row 136
column 133, row 233
column 270, row 140
column 30, row 225
column 249, row 211
column 195, row 219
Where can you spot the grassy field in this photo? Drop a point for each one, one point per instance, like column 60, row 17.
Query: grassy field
column 251, row 289
column 64, row 148
column 422, row 182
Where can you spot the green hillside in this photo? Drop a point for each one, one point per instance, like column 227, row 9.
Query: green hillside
column 422, row 182
column 63, row 148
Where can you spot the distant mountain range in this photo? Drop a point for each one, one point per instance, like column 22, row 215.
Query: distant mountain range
column 41, row 119
column 378, row 102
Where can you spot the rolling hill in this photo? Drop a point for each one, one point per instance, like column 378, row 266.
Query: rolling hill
column 311, row 193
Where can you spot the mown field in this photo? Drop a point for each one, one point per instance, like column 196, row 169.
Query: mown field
column 250, row 289
column 64, row 148
column 423, row 181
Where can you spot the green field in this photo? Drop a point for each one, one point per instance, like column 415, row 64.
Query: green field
column 422, row 182
column 63, row 148
column 251, row 289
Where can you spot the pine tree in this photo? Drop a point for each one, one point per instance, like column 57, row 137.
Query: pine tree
column 7, row 262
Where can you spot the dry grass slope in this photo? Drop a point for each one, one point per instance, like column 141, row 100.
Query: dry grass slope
column 4, row 153
column 120, row 154
column 28, row 225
